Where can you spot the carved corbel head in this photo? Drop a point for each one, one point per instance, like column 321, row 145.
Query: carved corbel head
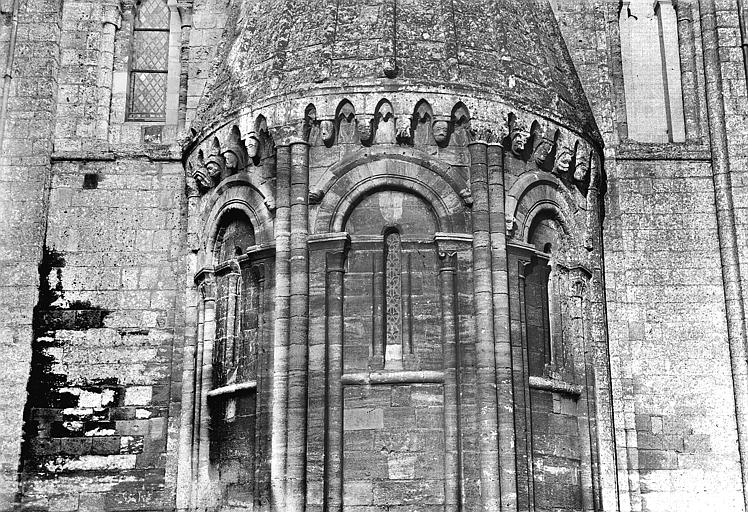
column 483, row 131
column 543, row 147
column 199, row 173
column 270, row 203
column 518, row 136
column 403, row 127
column 582, row 167
column 253, row 146
column 235, row 154
column 365, row 127
column 327, row 131
column 440, row 129
column 215, row 162
column 564, row 156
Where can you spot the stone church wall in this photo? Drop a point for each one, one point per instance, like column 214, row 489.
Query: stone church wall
column 675, row 414
column 105, row 329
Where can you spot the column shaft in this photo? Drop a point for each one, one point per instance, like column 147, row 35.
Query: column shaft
column 484, row 328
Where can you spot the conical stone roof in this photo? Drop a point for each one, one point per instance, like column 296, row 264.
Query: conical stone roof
column 502, row 50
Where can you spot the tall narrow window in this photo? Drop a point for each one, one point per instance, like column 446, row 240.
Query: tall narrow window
column 393, row 294
column 149, row 62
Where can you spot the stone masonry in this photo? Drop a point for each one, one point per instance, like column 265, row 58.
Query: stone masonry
column 373, row 255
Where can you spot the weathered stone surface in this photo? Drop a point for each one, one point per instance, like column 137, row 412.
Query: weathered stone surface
column 354, row 261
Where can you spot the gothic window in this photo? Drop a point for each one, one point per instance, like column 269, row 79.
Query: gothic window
column 652, row 78
column 149, row 62
column 393, row 289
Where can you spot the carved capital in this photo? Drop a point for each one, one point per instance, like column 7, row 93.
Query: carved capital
column 316, row 195
column 112, row 14
column 448, row 245
column 335, row 247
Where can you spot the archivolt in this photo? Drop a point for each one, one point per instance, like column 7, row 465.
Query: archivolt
column 535, row 192
column 236, row 193
column 393, row 174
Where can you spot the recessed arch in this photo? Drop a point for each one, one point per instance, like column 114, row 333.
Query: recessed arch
column 235, row 194
column 373, row 175
column 538, row 191
column 396, row 154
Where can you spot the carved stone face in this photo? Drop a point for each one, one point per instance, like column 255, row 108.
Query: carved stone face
column 580, row 173
column 364, row 128
column 519, row 141
column 326, row 131
column 542, row 151
column 403, row 128
column 201, row 177
column 232, row 162
column 563, row 160
column 441, row 132
column 253, row 146
column 214, row 169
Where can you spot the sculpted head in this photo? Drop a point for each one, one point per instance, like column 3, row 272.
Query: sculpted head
column 327, row 131
column 253, row 146
column 441, row 132
column 564, row 156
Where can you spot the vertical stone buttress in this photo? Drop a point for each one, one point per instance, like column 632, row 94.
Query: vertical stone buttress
column 299, row 328
column 726, row 229
column 484, row 328
column 281, row 337
column 502, row 341
column 27, row 109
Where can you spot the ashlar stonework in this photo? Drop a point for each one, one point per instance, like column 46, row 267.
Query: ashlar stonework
column 373, row 255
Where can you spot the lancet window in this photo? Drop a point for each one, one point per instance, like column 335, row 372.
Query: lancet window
column 149, row 62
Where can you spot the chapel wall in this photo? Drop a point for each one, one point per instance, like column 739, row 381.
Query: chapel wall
column 665, row 301
column 107, row 337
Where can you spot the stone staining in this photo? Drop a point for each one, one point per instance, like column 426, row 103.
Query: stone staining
column 393, row 298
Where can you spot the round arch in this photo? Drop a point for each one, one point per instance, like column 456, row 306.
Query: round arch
column 393, row 174
column 235, row 195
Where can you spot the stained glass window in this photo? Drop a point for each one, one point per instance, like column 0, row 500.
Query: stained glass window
column 149, row 65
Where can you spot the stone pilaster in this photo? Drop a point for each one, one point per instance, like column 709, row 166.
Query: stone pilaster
column 484, row 328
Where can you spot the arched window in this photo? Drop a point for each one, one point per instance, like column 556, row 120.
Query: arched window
column 541, row 301
column 230, row 359
column 149, row 62
column 652, row 71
